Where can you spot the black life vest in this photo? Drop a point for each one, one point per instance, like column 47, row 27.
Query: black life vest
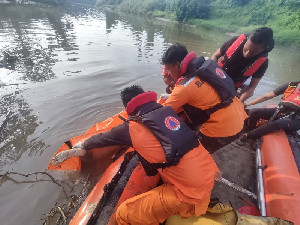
column 210, row 72
column 248, row 71
column 175, row 137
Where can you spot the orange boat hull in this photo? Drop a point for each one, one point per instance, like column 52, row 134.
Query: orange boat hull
column 93, row 154
column 122, row 180
column 281, row 178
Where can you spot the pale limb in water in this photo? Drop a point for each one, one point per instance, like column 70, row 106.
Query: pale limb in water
column 63, row 156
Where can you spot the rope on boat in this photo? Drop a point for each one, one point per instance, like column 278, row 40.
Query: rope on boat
column 238, row 188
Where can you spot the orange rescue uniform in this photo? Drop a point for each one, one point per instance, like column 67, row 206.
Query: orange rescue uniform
column 186, row 189
column 224, row 123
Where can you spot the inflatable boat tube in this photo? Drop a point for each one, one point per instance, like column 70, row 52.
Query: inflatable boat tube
column 97, row 154
column 123, row 179
column 281, row 178
column 93, row 154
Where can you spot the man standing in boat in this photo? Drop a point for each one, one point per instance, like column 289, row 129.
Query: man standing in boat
column 205, row 95
column 246, row 56
column 164, row 145
column 287, row 116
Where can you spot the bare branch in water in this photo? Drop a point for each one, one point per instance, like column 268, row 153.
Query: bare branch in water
column 5, row 177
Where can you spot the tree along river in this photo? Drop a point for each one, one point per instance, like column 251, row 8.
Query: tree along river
column 61, row 71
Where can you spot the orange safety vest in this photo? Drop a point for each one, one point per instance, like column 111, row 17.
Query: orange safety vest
column 250, row 70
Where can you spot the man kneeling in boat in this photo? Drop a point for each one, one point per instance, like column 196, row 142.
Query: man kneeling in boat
column 206, row 96
column 165, row 145
column 285, row 117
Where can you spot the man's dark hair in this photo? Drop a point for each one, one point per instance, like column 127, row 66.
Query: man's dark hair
column 129, row 93
column 263, row 36
column 174, row 54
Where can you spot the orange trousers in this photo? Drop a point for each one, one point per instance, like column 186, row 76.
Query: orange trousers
column 155, row 206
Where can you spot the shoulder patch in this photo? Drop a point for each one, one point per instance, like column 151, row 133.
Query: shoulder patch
column 220, row 73
column 172, row 123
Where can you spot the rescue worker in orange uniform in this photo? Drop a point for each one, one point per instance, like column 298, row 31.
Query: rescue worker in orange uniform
column 246, row 56
column 287, row 116
column 165, row 145
column 209, row 103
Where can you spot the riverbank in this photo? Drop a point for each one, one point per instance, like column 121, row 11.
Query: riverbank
column 221, row 16
column 282, row 36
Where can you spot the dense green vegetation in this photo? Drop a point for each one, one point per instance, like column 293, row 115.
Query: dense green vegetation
column 283, row 16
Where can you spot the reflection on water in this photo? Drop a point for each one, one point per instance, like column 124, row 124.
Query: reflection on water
column 61, row 71
column 29, row 38
column 18, row 124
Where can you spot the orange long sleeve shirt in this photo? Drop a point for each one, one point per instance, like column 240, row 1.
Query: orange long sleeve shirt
column 195, row 92
column 192, row 179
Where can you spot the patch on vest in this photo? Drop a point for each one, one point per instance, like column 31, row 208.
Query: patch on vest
column 172, row 123
column 220, row 73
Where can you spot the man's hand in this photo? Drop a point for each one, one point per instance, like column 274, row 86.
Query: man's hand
column 76, row 151
column 165, row 96
column 250, row 89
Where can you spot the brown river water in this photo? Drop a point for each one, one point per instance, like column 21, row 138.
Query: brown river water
column 61, row 71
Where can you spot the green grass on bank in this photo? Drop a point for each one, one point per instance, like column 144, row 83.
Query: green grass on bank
column 164, row 14
column 239, row 16
column 282, row 36
column 284, row 21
